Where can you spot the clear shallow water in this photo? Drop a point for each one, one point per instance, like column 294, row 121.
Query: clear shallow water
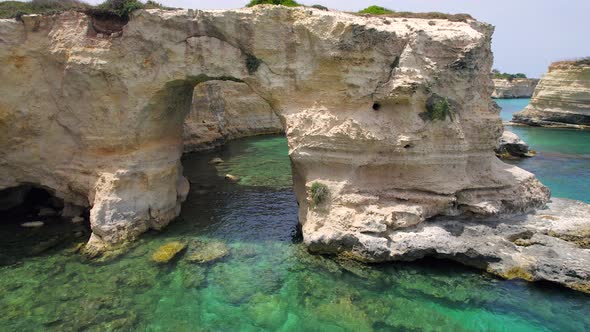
column 268, row 282
column 563, row 155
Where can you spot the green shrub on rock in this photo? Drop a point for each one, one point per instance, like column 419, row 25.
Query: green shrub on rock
column 319, row 193
column 376, row 10
column 437, row 109
column 320, row 7
column 252, row 63
column 288, row 3
column 507, row 76
column 121, row 8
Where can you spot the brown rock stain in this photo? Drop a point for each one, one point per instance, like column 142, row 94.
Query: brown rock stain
column 17, row 61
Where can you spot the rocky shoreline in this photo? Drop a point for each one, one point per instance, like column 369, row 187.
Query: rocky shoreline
column 551, row 244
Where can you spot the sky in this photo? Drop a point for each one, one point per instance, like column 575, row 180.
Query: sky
column 530, row 34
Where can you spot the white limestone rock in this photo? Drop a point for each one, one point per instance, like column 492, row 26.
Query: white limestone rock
column 561, row 99
column 514, row 88
column 99, row 121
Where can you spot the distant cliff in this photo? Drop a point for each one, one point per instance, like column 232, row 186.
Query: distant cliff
column 514, row 88
column 562, row 97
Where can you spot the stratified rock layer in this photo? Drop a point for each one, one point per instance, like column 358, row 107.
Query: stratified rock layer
column 515, row 88
column 561, row 99
column 392, row 116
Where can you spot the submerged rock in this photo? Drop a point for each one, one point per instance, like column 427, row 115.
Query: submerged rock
column 205, row 252
column 511, row 146
column 167, row 252
column 216, row 161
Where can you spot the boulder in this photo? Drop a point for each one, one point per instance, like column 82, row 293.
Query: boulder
column 511, row 146
column 205, row 252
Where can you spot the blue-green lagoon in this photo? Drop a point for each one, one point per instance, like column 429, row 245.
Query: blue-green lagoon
column 563, row 155
column 268, row 282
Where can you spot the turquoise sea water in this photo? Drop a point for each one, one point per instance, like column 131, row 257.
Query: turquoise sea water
column 268, row 282
column 563, row 155
column 511, row 106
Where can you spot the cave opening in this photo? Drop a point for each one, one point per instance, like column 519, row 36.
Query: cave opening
column 33, row 220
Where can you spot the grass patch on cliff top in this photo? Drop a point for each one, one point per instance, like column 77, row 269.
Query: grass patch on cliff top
column 287, row 3
column 385, row 12
column 16, row 9
column 119, row 8
column 376, row 10
column 585, row 61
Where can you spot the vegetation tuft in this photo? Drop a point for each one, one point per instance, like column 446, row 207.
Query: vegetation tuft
column 320, row 7
column 252, row 63
column 507, row 76
column 319, row 193
column 381, row 11
column 109, row 8
column 119, row 8
column 16, row 9
column 585, row 61
column 438, row 108
column 376, row 10
column 288, row 3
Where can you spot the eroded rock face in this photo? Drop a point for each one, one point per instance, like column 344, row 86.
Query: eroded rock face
column 515, row 88
column 393, row 116
column 223, row 110
column 551, row 244
column 561, row 99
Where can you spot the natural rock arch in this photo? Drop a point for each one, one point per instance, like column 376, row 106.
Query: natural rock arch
column 115, row 105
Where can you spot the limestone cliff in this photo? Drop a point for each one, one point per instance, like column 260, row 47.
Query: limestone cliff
column 515, row 88
column 391, row 117
column 561, row 99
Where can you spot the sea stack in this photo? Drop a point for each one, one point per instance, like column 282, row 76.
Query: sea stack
column 562, row 97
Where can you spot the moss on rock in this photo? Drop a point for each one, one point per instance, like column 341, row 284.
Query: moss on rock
column 167, row 252
column 517, row 272
column 581, row 238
